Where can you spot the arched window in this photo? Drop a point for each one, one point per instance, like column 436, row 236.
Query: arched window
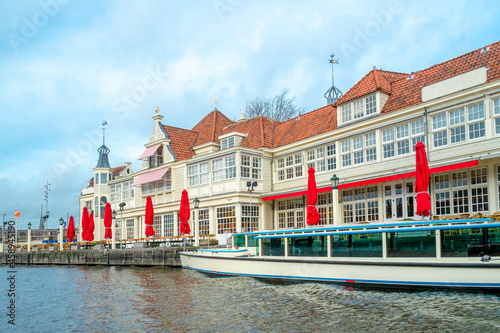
column 104, row 201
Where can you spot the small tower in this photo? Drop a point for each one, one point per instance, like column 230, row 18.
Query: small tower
column 332, row 94
column 103, row 151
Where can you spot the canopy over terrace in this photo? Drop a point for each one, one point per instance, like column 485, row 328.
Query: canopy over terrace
column 150, row 176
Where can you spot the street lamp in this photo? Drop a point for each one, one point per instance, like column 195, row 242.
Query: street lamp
column 251, row 186
column 29, row 237
column 123, row 204
column 335, row 182
column 335, row 199
column 196, row 203
column 29, row 225
column 61, row 221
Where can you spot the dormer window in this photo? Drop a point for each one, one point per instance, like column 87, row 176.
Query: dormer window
column 359, row 108
column 227, row 143
column 157, row 158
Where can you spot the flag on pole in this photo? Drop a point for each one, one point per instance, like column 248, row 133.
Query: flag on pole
column 16, row 213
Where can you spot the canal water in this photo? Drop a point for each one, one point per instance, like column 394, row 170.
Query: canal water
column 133, row 299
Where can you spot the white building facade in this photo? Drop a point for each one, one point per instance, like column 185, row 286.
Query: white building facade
column 366, row 138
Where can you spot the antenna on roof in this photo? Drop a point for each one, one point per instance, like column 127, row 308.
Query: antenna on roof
column 334, row 93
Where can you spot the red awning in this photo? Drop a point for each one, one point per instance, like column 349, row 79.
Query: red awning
column 149, row 151
column 386, row 179
column 150, row 177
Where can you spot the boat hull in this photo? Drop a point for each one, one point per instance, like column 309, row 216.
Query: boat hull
column 468, row 273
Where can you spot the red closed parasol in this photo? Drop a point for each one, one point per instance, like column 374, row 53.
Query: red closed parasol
column 85, row 223
column 108, row 221
column 184, row 213
column 70, row 233
column 312, row 197
column 422, row 181
column 148, row 219
column 90, row 229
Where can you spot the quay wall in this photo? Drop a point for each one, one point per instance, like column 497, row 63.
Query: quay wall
column 123, row 257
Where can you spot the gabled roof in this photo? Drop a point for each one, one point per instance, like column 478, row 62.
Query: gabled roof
column 259, row 130
column 181, row 141
column 375, row 80
column 118, row 170
column 210, row 127
column 408, row 92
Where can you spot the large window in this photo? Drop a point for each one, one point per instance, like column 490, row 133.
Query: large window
column 458, row 125
column 360, row 204
column 168, row 225
column 157, row 158
column 359, row 108
column 464, row 191
column 400, row 140
column 159, row 186
column 359, row 149
column 204, row 221
column 128, row 190
column 496, row 115
column 223, row 168
column 250, row 218
column 115, row 192
column 325, row 208
column 251, row 167
column 129, row 225
column 289, row 167
column 157, row 225
column 291, row 213
column 198, row 174
column 226, row 220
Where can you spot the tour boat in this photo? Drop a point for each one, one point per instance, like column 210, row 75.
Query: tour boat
column 462, row 253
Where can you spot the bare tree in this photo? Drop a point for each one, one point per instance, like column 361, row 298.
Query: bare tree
column 280, row 107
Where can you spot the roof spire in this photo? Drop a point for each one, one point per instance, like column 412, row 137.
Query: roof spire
column 215, row 102
column 333, row 94
column 103, row 151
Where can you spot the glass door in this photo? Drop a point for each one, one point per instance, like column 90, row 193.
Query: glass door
column 399, row 201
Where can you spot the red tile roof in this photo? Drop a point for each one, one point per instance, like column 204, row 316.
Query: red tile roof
column 210, row 127
column 182, row 140
column 259, row 130
column 265, row 132
column 117, row 170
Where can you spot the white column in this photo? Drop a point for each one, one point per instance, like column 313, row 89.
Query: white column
column 212, row 225
column 61, row 237
column 438, row 244
column 113, row 234
column 197, row 227
column 238, row 212
column 384, row 245
column 329, row 245
column 337, row 208
column 176, row 223
column 29, row 239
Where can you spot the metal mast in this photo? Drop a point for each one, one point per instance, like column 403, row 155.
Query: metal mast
column 334, row 93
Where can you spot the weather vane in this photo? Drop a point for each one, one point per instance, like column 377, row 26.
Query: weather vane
column 333, row 94
column 104, row 123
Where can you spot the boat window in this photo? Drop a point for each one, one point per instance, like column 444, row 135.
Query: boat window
column 411, row 244
column 308, row 246
column 365, row 245
column 252, row 241
column 470, row 242
column 273, row 246
column 239, row 240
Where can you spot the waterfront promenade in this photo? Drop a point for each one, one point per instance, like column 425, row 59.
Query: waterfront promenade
column 164, row 256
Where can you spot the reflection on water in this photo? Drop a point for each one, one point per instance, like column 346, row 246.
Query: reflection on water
column 108, row 299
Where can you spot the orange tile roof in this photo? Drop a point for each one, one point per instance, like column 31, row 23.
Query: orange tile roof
column 117, row 170
column 182, row 140
column 210, row 127
column 266, row 132
column 259, row 131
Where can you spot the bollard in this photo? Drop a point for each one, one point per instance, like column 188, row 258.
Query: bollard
column 68, row 259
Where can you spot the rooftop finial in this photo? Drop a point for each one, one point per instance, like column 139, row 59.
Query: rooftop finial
column 104, row 123
column 215, row 102
column 242, row 115
column 157, row 110
column 333, row 93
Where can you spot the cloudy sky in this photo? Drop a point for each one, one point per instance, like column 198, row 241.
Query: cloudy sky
column 67, row 65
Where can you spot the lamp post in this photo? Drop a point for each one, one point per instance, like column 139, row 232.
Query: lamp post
column 196, row 203
column 335, row 199
column 251, row 186
column 113, row 228
column 29, row 236
column 123, row 204
column 61, row 221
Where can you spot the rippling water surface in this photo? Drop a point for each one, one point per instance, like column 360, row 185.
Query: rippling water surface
column 131, row 299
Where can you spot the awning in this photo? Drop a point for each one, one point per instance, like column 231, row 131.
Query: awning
column 149, row 151
column 385, row 179
column 150, row 177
